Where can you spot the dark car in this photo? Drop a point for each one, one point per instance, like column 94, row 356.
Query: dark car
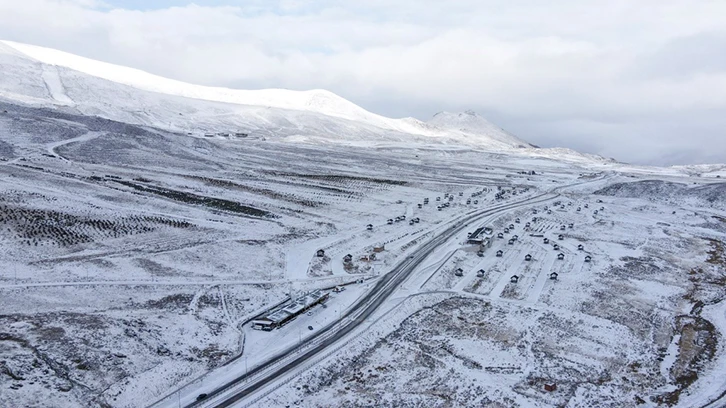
column 310, row 327
column 201, row 396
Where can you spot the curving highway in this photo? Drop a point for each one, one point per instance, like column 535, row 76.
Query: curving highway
column 234, row 391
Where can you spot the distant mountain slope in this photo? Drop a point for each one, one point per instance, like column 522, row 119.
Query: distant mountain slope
column 470, row 122
column 317, row 101
column 713, row 194
column 50, row 78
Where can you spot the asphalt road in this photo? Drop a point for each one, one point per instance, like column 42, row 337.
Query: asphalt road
column 355, row 316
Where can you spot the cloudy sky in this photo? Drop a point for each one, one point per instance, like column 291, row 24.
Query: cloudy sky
column 642, row 81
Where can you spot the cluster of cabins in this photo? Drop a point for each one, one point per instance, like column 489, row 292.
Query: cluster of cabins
column 227, row 134
column 280, row 317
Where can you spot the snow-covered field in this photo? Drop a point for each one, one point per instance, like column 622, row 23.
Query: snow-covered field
column 142, row 230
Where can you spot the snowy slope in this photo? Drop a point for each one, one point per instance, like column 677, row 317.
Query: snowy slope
column 51, row 78
column 471, row 123
column 317, row 101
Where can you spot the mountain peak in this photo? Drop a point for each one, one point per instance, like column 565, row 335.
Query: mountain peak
column 471, row 123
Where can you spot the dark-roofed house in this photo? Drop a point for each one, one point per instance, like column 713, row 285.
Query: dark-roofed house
column 560, row 256
column 580, row 247
column 553, row 275
column 546, row 240
column 588, row 258
column 514, row 279
column 348, row 258
column 500, row 253
column 459, row 272
column 369, row 227
column 480, row 273
column 320, row 253
column 528, row 257
column 560, row 237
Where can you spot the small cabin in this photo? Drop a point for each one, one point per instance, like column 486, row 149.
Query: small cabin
column 500, row 235
column 515, row 237
column 560, row 237
column 549, row 211
column 560, row 256
column 480, row 273
column 511, row 226
column 550, row 387
column 602, row 208
column 514, row 279
column 588, row 258
column 546, row 240
column 556, row 247
column 510, row 242
column 420, row 205
column 468, row 201
column 500, row 253
column 516, row 220
column 459, row 272
column 417, row 220
column 528, row 257
column 571, row 225
column 562, row 227
column 527, row 225
column 411, row 222
column 476, row 201
column 369, row 227
column 587, row 206
column 506, row 230
column 438, row 198
column 578, row 209
column 320, row 253
column 390, row 221
column 580, row 247
column 595, row 212
column 480, row 253
column 348, row 258
column 553, row 276
column 379, row 248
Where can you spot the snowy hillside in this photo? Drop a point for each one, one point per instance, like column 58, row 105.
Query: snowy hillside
column 665, row 191
column 470, row 122
column 314, row 101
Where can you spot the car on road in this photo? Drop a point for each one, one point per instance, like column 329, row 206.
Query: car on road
column 310, row 327
column 201, row 396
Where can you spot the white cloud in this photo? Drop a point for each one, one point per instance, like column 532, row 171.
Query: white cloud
column 547, row 70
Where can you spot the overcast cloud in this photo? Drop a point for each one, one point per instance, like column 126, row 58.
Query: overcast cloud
column 642, row 81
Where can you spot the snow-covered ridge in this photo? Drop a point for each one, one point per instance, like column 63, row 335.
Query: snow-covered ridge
column 317, row 100
column 474, row 131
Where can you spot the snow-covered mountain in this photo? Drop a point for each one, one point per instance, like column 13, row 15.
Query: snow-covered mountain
column 470, row 122
column 42, row 75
